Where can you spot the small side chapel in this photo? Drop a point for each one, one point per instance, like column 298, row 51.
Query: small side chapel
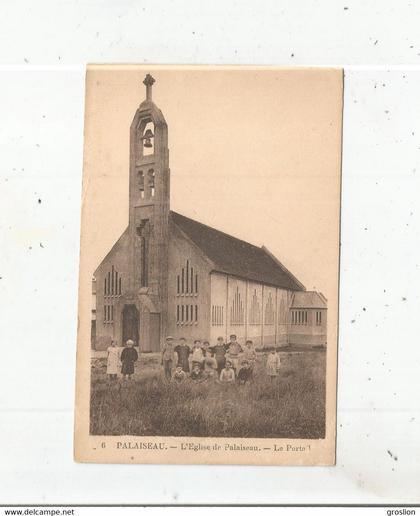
column 170, row 275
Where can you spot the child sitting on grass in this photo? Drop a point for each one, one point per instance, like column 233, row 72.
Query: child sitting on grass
column 197, row 374
column 179, row 375
column 228, row 374
column 273, row 365
column 245, row 372
column 210, row 366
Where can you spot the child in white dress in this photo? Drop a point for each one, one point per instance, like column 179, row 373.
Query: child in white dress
column 273, row 365
column 113, row 360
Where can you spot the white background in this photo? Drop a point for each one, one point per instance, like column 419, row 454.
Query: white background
column 44, row 46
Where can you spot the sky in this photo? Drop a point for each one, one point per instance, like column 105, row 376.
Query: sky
column 254, row 152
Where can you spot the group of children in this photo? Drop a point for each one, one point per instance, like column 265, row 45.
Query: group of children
column 203, row 362
column 223, row 362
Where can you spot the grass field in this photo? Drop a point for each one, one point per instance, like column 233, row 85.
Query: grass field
column 292, row 407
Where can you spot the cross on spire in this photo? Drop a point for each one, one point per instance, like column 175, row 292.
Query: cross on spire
column 148, row 82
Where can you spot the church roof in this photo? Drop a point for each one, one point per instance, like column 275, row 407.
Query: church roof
column 237, row 257
column 309, row 299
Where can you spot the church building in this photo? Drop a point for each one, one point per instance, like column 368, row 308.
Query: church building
column 170, row 275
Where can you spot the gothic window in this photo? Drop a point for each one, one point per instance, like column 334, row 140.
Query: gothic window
column 112, row 283
column 151, row 179
column 237, row 312
column 112, row 290
column 186, row 314
column 217, row 315
column 187, row 281
column 255, row 311
column 269, row 311
column 108, row 313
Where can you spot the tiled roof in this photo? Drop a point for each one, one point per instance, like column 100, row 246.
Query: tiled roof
column 233, row 256
column 308, row 300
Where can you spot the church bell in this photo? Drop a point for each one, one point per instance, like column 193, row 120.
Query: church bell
column 148, row 135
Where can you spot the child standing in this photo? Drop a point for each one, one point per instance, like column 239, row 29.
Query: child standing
column 183, row 351
column 168, row 357
column 234, row 350
column 113, row 360
column 220, row 354
column 273, row 365
column 128, row 356
column 197, row 355
column 210, row 366
column 249, row 353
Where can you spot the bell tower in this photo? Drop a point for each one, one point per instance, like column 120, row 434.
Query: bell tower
column 149, row 219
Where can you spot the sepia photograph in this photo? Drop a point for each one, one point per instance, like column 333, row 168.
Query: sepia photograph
column 209, row 260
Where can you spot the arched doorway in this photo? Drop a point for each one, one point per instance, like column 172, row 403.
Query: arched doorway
column 130, row 324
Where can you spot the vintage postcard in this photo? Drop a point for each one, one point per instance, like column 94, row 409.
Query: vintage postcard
column 209, row 265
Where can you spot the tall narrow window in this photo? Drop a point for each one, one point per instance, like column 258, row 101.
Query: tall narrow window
column 151, row 177
column 269, row 311
column 178, row 281
column 187, row 278
column 237, row 309
column 318, row 318
column 196, row 283
column 140, row 183
column 182, row 281
column 255, row 311
column 177, row 313
column 182, row 313
column 196, row 313
column 144, row 278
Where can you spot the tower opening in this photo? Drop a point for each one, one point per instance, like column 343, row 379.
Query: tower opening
column 148, row 139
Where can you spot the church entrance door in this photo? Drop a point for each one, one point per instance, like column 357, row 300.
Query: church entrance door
column 130, row 324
